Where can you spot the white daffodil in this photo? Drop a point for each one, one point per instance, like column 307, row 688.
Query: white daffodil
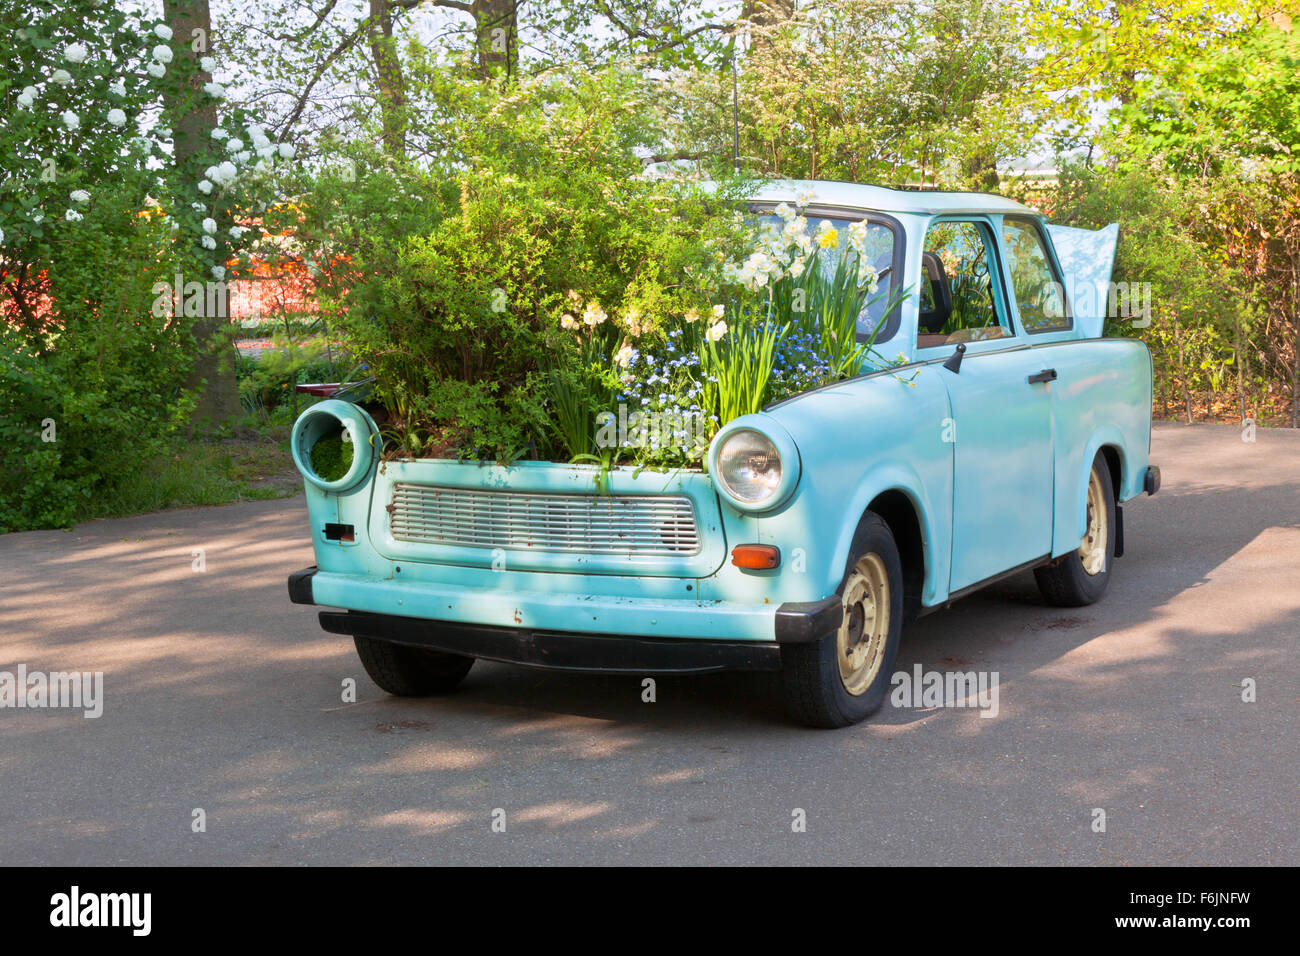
column 205, row 187
column 79, row 195
column 593, row 314
column 716, row 331
column 116, row 117
column 75, row 53
column 210, row 226
column 568, row 322
column 623, row 356
column 71, row 120
column 162, row 53
column 162, row 31
column 61, row 77
column 719, row 311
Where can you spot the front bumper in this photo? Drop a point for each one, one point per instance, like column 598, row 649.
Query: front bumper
column 623, row 634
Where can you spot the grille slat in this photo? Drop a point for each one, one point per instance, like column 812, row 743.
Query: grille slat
column 640, row 525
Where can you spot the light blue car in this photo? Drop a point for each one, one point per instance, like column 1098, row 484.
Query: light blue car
column 1003, row 436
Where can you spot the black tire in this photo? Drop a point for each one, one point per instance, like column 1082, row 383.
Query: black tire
column 406, row 671
column 816, row 693
column 1067, row 581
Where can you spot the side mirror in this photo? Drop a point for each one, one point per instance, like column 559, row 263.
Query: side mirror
column 953, row 364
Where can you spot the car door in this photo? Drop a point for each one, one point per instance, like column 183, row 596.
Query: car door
column 1000, row 397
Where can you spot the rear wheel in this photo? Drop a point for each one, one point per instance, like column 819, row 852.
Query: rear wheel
column 842, row 678
column 410, row 671
column 1080, row 577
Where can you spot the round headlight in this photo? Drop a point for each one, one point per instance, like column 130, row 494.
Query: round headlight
column 749, row 466
column 333, row 444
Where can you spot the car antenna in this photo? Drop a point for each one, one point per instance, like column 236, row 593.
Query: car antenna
column 954, row 361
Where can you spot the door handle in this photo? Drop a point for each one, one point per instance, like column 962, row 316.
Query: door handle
column 1046, row 375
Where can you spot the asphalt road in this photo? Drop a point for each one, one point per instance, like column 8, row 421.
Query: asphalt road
column 222, row 696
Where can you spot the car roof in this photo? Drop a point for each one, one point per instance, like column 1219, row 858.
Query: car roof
column 884, row 199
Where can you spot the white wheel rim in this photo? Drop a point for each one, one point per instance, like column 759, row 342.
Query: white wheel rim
column 864, row 628
column 1092, row 550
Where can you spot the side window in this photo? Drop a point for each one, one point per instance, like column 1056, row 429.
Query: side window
column 1038, row 291
column 958, row 301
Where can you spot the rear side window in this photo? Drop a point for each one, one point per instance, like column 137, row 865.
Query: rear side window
column 1034, row 283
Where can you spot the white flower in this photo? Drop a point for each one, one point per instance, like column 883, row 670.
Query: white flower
column 215, row 90
column 162, row 31
column 242, row 157
column 719, row 311
column 207, row 64
column 623, row 356
column 717, row 331
column 224, row 174
column 218, row 272
column 156, row 69
column 210, row 226
column 118, row 88
column 62, row 77
column 72, row 215
column 205, row 187
column 594, row 315
column 116, row 117
column 2, row 235
column 266, row 152
column 568, row 322
column 234, row 144
column 71, row 120
column 219, row 134
column 235, row 232
column 162, row 53
column 25, row 99
column 287, row 150
column 208, row 242
column 80, row 195
column 198, row 207
column 75, row 53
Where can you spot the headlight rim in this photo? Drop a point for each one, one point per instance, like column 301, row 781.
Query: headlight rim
column 787, row 451
column 351, row 419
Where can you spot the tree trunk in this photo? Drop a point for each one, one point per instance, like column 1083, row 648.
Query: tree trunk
column 213, row 372
column 496, row 37
column 392, row 85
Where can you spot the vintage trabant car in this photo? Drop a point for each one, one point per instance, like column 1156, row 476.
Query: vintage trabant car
column 1002, row 437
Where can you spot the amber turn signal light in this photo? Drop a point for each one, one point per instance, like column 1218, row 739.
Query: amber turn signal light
column 756, row 557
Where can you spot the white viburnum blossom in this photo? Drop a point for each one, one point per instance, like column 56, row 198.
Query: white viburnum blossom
column 210, row 226
column 208, row 243
column 27, row 97
column 234, row 144
column 235, row 232
column 219, row 134
column 207, row 64
column 205, row 187
column 215, row 90
column 242, row 157
column 73, row 216
column 162, row 31
column 2, row 235
column 62, row 77
column 71, row 120
column 218, row 272
column 156, row 69
column 224, row 174
column 287, row 150
column 80, row 195
column 162, row 53
column 118, row 88
column 116, row 117
column 75, row 53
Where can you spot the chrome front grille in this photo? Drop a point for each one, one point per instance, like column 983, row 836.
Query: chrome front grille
column 634, row 525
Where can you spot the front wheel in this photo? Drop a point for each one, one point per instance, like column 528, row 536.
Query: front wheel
column 842, row 678
column 1080, row 577
column 406, row 671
